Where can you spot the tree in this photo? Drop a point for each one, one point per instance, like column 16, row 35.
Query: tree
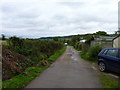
column 89, row 38
column 3, row 37
column 16, row 42
column 103, row 33
column 55, row 38
column 75, row 39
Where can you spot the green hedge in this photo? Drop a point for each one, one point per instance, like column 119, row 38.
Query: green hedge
column 57, row 54
column 92, row 53
column 30, row 73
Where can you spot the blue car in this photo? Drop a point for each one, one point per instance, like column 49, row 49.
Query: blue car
column 109, row 59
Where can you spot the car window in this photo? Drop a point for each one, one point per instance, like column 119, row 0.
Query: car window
column 112, row 53
column 119, row 54
column 105, row 52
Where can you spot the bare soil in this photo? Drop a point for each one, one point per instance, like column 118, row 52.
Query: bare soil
column 12, row 63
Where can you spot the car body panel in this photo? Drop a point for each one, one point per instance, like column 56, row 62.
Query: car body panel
column 112, row 62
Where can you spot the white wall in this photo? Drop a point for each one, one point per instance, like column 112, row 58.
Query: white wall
column 116, row 43
column 102, row 44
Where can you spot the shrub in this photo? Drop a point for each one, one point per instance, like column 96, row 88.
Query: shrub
column 92, row 53
column 35, row 50
column 15, row 42
column 78, row 46
column 35, row 47
column 21, row 80
column 24, row 51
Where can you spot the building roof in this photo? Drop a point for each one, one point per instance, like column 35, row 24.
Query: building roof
column 104, row 37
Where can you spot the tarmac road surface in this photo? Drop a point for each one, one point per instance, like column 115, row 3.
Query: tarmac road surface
column 68, row 71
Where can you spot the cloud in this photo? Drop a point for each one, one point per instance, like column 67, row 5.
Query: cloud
column 38, row 18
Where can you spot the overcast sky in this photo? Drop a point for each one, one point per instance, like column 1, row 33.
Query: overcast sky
column 42, row 18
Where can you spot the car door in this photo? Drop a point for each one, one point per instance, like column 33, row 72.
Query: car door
column 102, row 56
column 119, row 61
column 113, row 59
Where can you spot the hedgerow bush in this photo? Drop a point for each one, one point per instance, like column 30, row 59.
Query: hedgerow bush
column 92, row 53
column 21, row 80
column 78, row 46
column 34, row 49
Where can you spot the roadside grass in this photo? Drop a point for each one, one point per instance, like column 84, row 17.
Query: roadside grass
column 77, row 49
column 105, row 80
column 57, row 54
column 91, row 60
column 108, row 82
column 21, row 80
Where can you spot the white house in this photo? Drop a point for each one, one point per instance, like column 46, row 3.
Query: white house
column 116, row 42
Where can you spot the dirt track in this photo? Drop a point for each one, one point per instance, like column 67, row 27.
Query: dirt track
column 69, row 71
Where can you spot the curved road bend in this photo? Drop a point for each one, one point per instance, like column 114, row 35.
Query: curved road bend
column 68, row 71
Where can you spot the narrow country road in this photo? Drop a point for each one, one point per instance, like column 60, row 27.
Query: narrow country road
column 68, row 71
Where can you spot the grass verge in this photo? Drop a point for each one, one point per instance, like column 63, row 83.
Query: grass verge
column 57, row 54
column 105, row 80
column 108, row 82
column 21, row 80
column 91, row 60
